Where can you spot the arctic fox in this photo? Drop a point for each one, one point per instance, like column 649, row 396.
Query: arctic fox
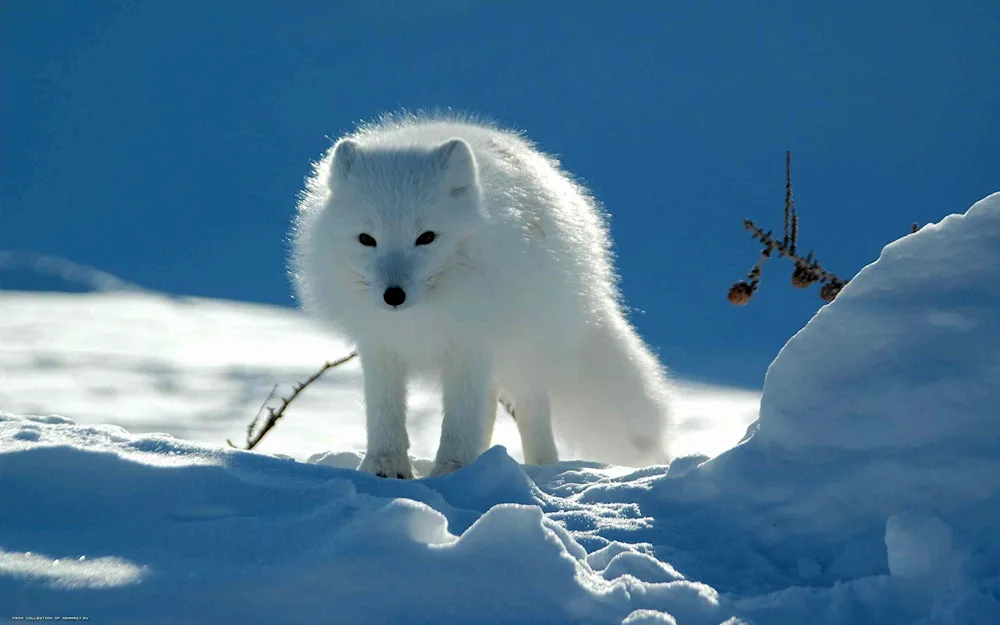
column 449, row 248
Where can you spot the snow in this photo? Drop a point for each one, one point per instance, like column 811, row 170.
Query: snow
column 867, row 492
column 190, row 532
column 920, row 547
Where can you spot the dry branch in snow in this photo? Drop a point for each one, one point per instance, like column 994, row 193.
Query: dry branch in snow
column 273, row 414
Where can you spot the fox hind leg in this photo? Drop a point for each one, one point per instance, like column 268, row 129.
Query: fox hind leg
column 532, row 413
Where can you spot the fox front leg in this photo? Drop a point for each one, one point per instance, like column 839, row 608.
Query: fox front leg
column 385, row 414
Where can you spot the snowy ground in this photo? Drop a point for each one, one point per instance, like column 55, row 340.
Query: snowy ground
column 868, row 493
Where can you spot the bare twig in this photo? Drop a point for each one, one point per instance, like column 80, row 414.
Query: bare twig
column 788, row 198
column 791, row 218
column 273, row 414
column 256, row 417
column 771, row 243
column 508, row 406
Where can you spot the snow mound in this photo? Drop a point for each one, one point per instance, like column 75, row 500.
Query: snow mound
column 909, row 352
column 877, row 450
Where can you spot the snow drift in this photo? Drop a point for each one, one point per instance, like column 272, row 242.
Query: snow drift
column 906, row 356
column 117, row 527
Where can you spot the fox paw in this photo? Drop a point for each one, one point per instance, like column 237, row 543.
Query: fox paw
column 387, row 465
column 442, row 468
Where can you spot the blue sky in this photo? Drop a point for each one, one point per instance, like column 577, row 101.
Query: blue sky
column 165, row 141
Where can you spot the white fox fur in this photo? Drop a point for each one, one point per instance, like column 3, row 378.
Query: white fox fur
column 515, row 296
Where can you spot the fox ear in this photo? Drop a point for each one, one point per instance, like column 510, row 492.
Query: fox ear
column 458, row 164
column 345, row 154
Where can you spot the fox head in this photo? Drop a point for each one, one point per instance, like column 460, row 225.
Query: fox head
column 397, row 219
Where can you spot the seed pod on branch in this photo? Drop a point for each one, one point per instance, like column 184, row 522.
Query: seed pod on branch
column 803, row 276
column 740, row 293
column 830, row 290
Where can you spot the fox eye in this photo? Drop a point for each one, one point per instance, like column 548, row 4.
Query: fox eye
column 426, row 238
column 366, row 239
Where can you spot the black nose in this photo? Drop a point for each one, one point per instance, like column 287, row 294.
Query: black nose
column 394, row 296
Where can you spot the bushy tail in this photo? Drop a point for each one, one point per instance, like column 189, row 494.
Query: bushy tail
column 617, row 408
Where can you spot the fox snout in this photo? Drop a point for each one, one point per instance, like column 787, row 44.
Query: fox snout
column 394, row 270
column 394, row 296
